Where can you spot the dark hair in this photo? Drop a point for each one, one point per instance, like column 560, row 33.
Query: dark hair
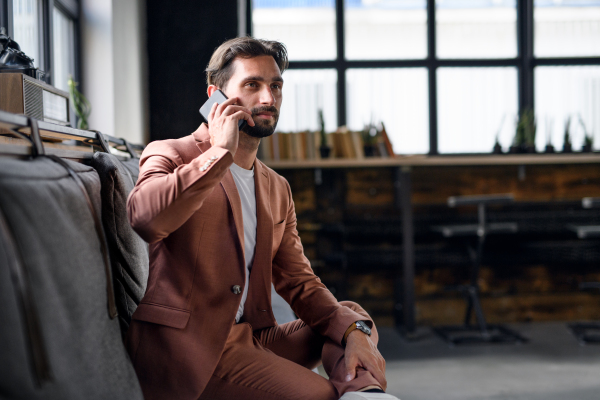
column 219, row 69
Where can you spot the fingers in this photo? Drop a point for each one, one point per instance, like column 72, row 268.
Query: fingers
column 377, row 373
column 229, row 106
column 351, row 364
column 211, row 114
column 243, row 115
column 229, row 109
column 233, row 109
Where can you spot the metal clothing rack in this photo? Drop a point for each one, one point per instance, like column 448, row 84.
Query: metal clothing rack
column 87, row 142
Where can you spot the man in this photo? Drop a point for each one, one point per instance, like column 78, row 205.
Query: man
column 221, row 227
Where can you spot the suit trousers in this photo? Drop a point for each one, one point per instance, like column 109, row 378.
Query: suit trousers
column 275, row 364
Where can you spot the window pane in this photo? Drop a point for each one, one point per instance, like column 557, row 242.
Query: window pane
column 398, row 97
column 474, row 105
column 562, row 92
column 63, row 63
column 567, row 28
column 385, row 29
column 476, row 28
column 305, row 92
column 306, row 27
column 27, row 28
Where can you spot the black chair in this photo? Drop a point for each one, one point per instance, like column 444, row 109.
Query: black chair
column 587, row 332
column 482, row 332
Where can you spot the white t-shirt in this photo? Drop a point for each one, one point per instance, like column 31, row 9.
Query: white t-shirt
column 244, row 181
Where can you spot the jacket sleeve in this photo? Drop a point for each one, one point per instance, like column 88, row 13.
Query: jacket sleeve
column 296, row 282
column 168, row 191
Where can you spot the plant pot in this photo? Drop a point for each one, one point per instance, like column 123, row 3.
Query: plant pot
column 324, row 150
column 567, row 148
column 497, row 149
column 530, row 148
column 514, row 149
column 369, row 150
column 587, row 148
column 549, row 149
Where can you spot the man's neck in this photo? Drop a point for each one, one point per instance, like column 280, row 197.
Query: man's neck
column 246, row 152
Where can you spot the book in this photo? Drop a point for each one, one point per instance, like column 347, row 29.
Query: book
column 386, row 141
column 357, row 142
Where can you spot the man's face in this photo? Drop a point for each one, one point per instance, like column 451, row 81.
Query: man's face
column 257, row 83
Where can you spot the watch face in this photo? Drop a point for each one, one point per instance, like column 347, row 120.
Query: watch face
column 363, row 327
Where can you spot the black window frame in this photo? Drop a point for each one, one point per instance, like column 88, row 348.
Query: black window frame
column 525, row 62
column 72, row 9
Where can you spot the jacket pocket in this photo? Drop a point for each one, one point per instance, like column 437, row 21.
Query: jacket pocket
column 162, row 315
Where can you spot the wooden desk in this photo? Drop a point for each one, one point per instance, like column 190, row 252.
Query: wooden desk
column 404, row 311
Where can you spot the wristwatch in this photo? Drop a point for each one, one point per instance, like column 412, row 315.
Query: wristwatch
column 361, row 326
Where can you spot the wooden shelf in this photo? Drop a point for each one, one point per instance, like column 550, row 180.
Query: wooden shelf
column 22, row 148
column 430, row 161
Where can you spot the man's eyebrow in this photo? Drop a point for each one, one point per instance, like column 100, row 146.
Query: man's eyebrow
column 262, row 79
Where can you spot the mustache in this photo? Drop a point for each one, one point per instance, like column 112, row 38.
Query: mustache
column 258, row 110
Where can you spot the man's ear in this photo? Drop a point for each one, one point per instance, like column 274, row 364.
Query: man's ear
column 211, row 89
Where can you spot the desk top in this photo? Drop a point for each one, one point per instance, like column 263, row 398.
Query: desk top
column 443, row 160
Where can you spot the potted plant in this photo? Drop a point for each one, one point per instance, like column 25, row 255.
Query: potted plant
column 567, row 148
column 549, row 146
column 369, row 137
column 515, row 147
column 588, row 143
column 497, row 147
column 588, row 139
column 524, row 141
column 324, row 149
column 81, row 105
column 529, row 129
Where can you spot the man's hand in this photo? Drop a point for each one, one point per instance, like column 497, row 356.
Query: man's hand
column 223, row 124
column 362, row 352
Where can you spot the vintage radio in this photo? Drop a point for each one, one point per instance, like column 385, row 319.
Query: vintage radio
column 22, row 94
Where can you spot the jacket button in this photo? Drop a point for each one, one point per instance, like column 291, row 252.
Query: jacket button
column 236, row 289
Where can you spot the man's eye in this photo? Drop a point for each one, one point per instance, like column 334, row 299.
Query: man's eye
column 251, row 84
column 278, row 87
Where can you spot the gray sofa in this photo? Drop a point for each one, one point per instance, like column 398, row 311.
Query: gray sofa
column 68, row 263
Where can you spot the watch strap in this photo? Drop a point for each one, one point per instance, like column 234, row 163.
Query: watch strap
column 348, row 331
column 351, row 328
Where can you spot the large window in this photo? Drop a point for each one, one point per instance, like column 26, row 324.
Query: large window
column 444, row 76
column 46, row 30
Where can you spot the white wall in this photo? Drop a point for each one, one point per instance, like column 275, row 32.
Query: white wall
column 114, row 67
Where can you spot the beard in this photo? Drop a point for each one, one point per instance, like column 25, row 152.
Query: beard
column 262, row 128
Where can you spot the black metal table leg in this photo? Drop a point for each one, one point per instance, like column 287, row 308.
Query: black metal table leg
column 404, row 312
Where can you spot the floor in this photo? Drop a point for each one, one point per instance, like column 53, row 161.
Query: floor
column 551, row 366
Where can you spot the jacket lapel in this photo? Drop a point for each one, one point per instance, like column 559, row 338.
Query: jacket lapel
column 236, row 208
column 258, row 305
column 203, row 142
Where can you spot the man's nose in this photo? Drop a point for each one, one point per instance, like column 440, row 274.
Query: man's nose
column 266, row 97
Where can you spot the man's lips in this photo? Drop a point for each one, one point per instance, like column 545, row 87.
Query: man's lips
column 265, row 115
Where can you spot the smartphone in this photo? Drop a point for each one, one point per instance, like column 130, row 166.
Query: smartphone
column 217, row 97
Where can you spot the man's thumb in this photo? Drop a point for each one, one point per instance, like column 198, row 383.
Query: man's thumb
column 350, row 370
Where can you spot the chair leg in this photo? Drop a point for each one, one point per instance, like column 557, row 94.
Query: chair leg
column 478, row 311
column 481, row 332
